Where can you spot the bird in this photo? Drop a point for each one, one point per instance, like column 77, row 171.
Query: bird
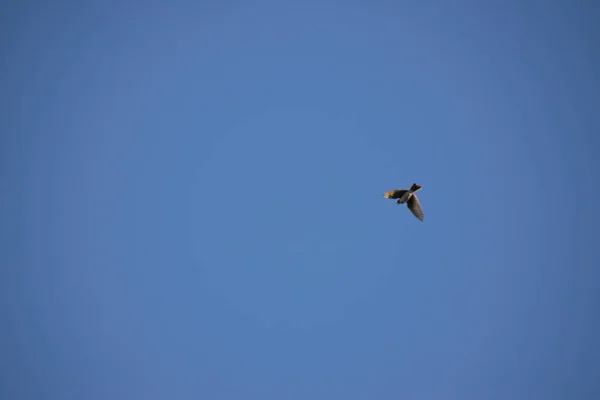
column 409, row 197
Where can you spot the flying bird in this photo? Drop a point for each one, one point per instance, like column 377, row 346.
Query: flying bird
column 409, row 197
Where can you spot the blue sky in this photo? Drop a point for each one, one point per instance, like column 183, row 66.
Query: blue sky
column 192, row 200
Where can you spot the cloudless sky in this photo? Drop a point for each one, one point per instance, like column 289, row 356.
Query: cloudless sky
column 191, row 200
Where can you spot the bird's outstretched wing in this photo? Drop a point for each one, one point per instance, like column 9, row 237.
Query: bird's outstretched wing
column 394, row 194
column 414, row 207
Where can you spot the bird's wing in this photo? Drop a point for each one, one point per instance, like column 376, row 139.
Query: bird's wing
column 414, row 207
column 395, row 194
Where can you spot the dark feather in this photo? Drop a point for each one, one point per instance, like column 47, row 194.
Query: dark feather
column 415, row 207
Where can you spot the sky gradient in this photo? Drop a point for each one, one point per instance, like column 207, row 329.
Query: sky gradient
column 192, row 200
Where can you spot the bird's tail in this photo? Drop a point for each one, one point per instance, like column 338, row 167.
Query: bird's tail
column 414, row 187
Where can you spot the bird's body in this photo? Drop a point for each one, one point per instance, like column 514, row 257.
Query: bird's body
column 409, row 197
column 404, row 197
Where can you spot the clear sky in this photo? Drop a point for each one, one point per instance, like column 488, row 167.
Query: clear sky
column 191, row 200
